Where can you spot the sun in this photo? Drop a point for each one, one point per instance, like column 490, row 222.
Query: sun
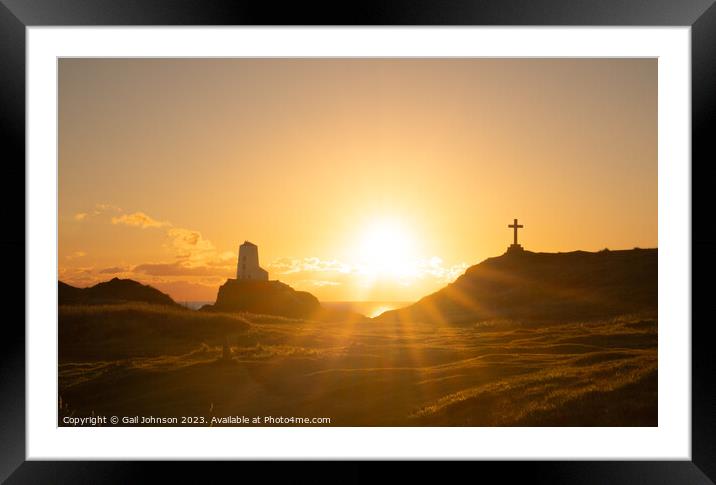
column 387, row 250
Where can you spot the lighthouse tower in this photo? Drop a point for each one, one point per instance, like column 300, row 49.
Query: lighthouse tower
column 248, row 266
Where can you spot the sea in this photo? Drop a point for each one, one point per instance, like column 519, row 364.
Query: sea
column 368, row 308
column 195, row 305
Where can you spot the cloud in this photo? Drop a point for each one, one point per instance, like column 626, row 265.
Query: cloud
column 434, row 268
column 425, row 268
column 78, row 276
column 225, row 259
column 317, row 283
column 138, row 219
column 188, row 239
column 177, row 269
column 114, row 270
column 191, row 246
column 311, row 264
column 98, row 209
column 101, row 208
column 188, row 245
column 76, row 254
column 193, row 263
column 193, row 254
column 425, row 275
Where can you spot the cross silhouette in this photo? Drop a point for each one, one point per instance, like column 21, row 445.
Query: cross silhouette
column 516, row 226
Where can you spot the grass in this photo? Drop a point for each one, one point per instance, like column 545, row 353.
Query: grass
column 140, row 360
column 110, row 332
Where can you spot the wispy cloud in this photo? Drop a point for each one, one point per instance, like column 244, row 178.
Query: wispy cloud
column 114, row 270
column 434, row 268
column 317, row 283
column 191, row 246
column 188, row 245
column 97, row 210
column 138, row 219
column 311, row 264
column 193, row 265
column 316, row 272
column 78, row 276
column 103, row 208
column 76, row 254
column 178, row 269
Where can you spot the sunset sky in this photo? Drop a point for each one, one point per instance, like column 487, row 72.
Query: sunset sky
column 359, row 179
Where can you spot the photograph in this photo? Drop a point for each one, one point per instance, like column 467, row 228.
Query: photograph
column 357, row 242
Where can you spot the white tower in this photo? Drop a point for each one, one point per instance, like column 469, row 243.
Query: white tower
column 248, row 266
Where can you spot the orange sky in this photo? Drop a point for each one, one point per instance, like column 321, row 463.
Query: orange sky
column 166, row 166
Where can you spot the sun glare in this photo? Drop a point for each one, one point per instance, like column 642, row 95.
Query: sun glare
column 387, row 250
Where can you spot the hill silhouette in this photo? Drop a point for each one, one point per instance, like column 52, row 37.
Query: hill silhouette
column 111, row 292
column 264, row 297
column 543, row 286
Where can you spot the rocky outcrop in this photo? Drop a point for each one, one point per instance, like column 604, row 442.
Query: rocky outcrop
column 264, row 297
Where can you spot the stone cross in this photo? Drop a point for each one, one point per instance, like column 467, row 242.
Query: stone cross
column 516, row 226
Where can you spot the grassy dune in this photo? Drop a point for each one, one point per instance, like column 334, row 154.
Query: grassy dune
column 132, row 359
column 119, row 331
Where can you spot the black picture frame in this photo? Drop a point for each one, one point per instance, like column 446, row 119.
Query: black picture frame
column 16, row 15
